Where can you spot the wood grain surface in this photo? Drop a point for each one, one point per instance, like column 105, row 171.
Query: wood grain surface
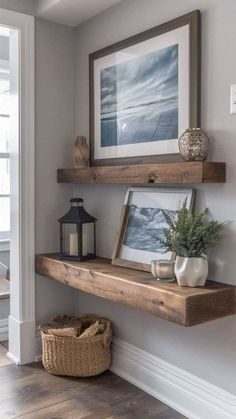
column 182, row 305
column 29, row 392
column 143, row 174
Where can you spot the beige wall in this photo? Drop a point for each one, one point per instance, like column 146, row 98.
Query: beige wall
column 54, row 136
column 209, row 350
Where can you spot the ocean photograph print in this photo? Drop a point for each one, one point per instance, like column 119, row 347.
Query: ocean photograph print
column 143, row 94
column 139, row 104
column 142, row 221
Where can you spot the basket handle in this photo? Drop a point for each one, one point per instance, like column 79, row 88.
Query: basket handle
column 106, row 341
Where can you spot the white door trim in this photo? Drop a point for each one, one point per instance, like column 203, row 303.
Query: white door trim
column 22, row 287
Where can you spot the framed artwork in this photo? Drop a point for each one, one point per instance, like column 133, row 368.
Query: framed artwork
column 144, row 93
column 142, row 220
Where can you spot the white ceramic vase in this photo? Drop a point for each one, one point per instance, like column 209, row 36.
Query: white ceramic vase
column 191, row 272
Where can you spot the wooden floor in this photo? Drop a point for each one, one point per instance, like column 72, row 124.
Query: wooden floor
column 29, row 392
column 4, row 360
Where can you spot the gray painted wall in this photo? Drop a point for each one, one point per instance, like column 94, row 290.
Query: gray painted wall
column 4, row 48
column 54, row 137
column 4, row 308
column 22, row 6
column 209, row 350
column 5, row 258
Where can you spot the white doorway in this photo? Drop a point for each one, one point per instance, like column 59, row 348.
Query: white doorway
column 19, row 154
column 4, row 191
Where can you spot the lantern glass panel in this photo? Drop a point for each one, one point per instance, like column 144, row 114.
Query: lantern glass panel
column 71, row 240
column 88, row 239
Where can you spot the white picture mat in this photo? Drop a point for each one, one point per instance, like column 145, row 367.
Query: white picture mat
column 161, row 198
column 178, row 36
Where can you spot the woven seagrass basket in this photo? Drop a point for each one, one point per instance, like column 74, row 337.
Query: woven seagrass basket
column 69, row 355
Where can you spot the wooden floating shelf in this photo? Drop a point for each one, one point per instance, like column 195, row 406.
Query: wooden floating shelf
column 4, row 288
column 185, row 306
column 142, row 174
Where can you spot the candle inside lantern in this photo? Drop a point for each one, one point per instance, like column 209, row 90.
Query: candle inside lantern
column 85, row 241
column 163, row 270
column 73, row 244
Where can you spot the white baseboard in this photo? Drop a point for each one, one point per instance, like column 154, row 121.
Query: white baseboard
column 13, row 358
column 3, row 330
column 184, row 392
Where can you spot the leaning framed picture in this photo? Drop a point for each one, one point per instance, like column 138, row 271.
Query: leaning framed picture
column 142, row 221
column 144, row 93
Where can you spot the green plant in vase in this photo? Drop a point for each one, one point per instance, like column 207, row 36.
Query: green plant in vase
column 190, row 236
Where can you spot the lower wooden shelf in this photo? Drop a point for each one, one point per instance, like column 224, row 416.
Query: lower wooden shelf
column 185, row 306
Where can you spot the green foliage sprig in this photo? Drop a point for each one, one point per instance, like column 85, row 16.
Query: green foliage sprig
column 189, row 234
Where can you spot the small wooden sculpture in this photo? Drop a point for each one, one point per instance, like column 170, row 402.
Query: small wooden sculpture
column 65, row 331
column 81, row 152
column 91, row 330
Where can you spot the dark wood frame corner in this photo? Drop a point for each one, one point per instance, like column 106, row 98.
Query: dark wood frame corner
column 193, row 19
column 116, row 260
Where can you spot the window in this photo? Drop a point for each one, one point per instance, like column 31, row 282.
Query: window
column 4, row 152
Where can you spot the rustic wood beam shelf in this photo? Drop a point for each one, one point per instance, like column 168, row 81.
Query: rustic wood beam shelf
column 142, row 174
column 185, row 306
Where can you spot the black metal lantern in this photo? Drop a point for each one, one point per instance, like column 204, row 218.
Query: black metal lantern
column 77, row 233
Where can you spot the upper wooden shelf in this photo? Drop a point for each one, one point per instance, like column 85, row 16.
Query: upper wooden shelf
column 142, row 174
column 185, row 306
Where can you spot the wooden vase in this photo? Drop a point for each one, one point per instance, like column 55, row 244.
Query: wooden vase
column 81, row 152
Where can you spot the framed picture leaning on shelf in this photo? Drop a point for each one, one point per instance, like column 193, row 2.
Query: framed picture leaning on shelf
column 142, row 220
column 144, row 93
